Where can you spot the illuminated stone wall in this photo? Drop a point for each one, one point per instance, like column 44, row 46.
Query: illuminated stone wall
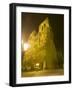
column 42, row 48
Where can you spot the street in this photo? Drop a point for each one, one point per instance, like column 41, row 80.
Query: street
column 43, row 73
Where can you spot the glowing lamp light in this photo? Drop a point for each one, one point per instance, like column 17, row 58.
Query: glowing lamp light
column 37, row 64
column 26, row 46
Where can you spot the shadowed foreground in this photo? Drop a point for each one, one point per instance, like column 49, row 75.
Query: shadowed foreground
column 43, row 73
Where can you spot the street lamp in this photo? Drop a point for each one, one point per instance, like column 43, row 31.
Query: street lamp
column 26, row 46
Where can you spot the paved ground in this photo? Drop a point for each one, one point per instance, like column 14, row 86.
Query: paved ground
column 54, row 72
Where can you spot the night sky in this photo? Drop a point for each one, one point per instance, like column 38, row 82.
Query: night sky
column 31, row 21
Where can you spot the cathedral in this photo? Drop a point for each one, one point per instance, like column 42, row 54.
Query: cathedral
column 42, row 48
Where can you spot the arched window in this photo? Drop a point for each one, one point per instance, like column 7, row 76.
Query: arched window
column 44, row 25
column 42, row 28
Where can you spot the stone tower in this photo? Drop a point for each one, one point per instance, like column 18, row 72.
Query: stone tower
column 46, row 42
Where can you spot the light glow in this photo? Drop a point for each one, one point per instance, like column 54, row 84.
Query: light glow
column 26, row 46
column 37, row 64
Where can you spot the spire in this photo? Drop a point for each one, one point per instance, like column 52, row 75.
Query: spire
column 44, row 24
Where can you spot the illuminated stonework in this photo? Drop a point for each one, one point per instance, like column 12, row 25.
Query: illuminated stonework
column 42, row 48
